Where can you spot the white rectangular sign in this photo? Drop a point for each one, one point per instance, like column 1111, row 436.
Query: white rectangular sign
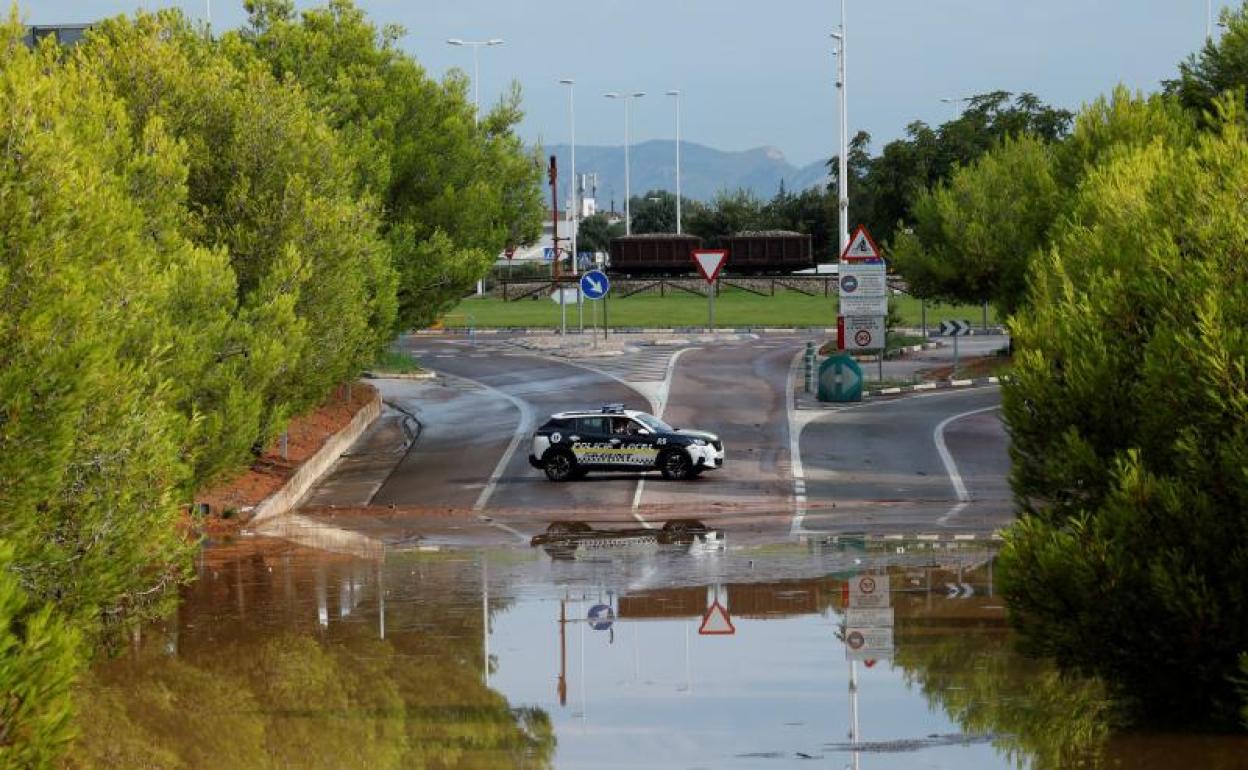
column 564, row 296
column 868, row 643
column 868, row 591
column 868, row 617
column 864, row 332
column 864, row 289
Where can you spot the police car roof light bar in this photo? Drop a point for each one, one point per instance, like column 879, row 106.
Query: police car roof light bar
column 613, row 408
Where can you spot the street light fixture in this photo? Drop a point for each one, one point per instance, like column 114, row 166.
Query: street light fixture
column 956, row 101
column 576, row 207
column 676, row 94
column 626, row 98
column 475, row 45
column 842, row 169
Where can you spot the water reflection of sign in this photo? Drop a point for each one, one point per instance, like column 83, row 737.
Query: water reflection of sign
column 877, row 642
column 716, row 621
column 600, row 617
column 867, row 591
column 869, row 617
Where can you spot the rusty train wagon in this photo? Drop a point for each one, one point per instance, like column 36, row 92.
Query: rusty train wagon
column 768, row 251
column 654, row 254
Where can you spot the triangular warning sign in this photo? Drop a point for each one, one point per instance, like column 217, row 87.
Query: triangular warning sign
column 710, row 262
column 716, row 621
column 861, row 248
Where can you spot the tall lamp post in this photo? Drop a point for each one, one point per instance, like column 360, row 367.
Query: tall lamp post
column 676, row 94
column 626, row 97
column 842, row 169
column 475, row 45
column 576, row 206
column 957, row 102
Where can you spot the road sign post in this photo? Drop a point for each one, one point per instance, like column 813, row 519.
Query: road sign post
column 955, row 329
column 710, row 262
column 863, row 282
column 594, row 285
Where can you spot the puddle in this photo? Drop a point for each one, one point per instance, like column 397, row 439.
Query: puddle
column 672, row 655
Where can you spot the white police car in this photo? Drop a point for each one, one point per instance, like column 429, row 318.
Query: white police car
column 570, row 444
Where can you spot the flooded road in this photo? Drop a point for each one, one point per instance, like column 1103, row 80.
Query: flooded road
column 606, row 653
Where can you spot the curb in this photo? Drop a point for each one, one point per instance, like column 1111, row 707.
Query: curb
column 916, row 538
column 315, row 467
column 423, row 375
column 944, row 385
column 457, row 331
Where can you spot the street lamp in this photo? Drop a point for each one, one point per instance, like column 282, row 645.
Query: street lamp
column 956, row 101
column 576, row 207
column 842, row 168
column 475, row 45
column 676, row 94
column 627, row 97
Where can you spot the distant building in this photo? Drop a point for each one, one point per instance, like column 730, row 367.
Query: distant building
column 65, row 34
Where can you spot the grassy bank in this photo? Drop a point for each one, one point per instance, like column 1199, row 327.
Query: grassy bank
column 733, row 308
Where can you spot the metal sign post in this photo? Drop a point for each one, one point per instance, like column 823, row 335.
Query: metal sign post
column 955, row 329
column 595, row 285
column 710, row 262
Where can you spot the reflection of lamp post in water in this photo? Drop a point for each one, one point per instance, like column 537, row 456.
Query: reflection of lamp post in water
column 485, row 617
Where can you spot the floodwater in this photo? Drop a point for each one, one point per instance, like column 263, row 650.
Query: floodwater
column 285, row 656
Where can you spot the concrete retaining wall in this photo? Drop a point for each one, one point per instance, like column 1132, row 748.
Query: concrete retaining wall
column 287, row 498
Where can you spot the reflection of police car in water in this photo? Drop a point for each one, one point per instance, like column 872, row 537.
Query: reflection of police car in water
column 565, row 540
column 571, row 444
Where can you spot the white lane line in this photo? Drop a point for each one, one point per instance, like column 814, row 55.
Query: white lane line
column 523, row 428
column 512, row 530
column 951, row 468
column 664, row 389
column 795, row 449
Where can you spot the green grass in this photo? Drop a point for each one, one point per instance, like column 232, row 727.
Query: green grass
column 394, row 362
column 733, row 309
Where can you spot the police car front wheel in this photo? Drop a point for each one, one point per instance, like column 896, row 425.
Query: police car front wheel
column 676, row 466
column 561, row 466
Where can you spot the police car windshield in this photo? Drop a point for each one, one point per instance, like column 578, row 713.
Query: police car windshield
column 654, row 423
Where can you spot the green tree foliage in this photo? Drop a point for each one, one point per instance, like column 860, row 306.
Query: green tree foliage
column 92, row 267
column 595, row 233
column 1221, row 66
column 974, row 236
column 655, row 212
column 454, row 194
column 883, row 190
column 270, row 183
column 39, row 658
column 1129, row 422
column 728, row 213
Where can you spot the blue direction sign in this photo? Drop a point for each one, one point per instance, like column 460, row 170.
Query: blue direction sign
column 594, row 284
column 600, row 617
column 840, row 379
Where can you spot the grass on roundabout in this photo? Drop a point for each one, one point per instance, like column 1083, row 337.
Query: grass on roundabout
column 734, row 308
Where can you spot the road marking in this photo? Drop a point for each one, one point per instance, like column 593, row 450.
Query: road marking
column 517, row 533
column 951, row 468
column 795, row 448
column 523, row 428
column 664, row 389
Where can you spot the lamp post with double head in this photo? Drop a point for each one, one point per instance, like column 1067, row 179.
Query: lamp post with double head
column 676, row 94
column 475, row 45
column 626, row 98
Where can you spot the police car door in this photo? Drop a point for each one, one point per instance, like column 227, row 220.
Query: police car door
column 639, row 445
column 591, row 444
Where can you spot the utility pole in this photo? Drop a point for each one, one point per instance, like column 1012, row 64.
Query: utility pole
column 842, row 164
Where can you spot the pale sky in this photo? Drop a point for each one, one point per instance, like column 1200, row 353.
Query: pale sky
column 762, row 73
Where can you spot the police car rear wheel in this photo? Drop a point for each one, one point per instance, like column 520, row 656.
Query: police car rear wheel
column 560, row 466
column 676, row 466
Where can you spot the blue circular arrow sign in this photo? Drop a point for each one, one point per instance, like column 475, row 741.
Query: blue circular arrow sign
column 595, row 285
column 600, row 617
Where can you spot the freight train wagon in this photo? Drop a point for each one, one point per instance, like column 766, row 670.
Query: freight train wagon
column 654, row 254
column 768, row 251
column 749, row 253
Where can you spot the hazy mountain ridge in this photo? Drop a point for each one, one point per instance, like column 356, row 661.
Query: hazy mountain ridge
column 704, row 171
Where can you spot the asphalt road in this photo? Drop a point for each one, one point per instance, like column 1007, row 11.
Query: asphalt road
column 931, row 460
column 880, row 466
column 739, row 392
column 519, row 393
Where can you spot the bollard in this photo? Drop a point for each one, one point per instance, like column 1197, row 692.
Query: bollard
column 810, row 366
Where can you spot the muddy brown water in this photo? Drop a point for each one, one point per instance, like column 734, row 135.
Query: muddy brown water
column 282, row 656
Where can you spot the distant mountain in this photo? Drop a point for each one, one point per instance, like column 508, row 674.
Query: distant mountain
column 704, row 171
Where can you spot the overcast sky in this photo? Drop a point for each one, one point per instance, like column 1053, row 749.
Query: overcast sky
column 761, row 73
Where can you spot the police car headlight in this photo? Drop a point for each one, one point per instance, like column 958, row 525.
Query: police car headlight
column 699, row 442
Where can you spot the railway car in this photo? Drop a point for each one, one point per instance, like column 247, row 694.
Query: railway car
column 654, row 254
column 768, row 251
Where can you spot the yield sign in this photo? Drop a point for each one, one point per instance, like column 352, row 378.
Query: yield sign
column 710, row 262
column 716, row 621
column 862, row 248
